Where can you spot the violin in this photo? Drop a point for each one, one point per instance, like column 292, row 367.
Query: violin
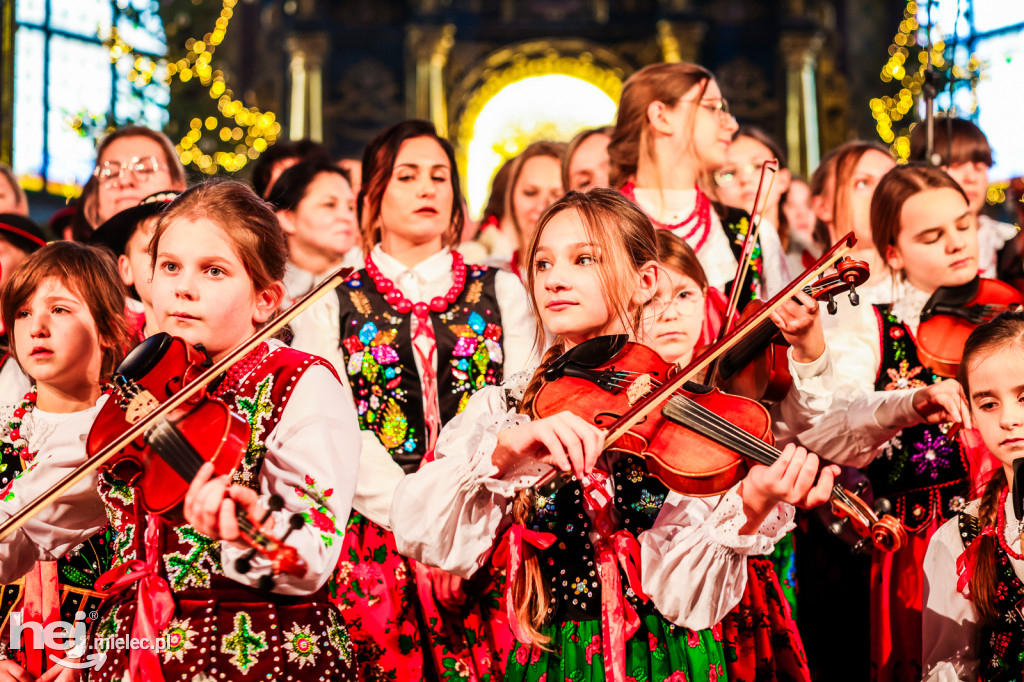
column 163, row 425
column 700, row 442
column 952, row 313
column 758, row 366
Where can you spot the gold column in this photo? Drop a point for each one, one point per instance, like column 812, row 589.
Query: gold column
column 803, row 148
column 430, row 47
column 7, row 82
column 307, row 82
column 680, row 41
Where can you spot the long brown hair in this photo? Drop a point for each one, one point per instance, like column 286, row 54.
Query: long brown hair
column 626, row 240
column 554, row 150
column 894, row 189
column 1005, row 330
column 665, row 83
column 676, row 254
column 248, row 221
column 378, row 167
column 833, row 176
column 90, row 272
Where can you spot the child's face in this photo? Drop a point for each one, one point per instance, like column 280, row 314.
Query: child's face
column 938, row 241
column 201, row 289
column 973, row 177
column 679, row 305
column 136, row 265
column 997, row 402
column 56, row 339
column 567, row 285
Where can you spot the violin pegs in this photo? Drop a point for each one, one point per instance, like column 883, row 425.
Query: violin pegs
column 838, row 527
column 275, row 503
column 859, row 489
column 265, row 583
column 832, row 306
column 882, row 506
column 854, row 297
column 243, row 564
column 296, row 522
column 863, row 546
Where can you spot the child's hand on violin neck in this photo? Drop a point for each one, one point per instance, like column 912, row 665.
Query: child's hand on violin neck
column 800, row 323
column 943, row 402
column 210, row 506
column 565, row 441
column 790, row 479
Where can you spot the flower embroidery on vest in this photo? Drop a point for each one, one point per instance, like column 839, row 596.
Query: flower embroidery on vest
column 193, row 569
column 255, row 410
column 904, row 377
column 300, row 643
column 178, row 637
column 243, row 642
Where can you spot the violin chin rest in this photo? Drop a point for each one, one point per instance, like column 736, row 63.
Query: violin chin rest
column 144, row 357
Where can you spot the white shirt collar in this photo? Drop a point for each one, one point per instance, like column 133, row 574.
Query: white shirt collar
column 908, row 302
column 429, row 270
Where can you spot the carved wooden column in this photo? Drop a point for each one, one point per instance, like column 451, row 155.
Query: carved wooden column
column 803, row 148
column 430, row 46
column 680, row 41
column 307, row 51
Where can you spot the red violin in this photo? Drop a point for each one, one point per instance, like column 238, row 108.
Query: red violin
column 952, row 313
column 699, row 442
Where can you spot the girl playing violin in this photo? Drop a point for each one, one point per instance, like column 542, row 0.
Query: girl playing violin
column 763, row 620
column 218, row 259
column 417, row 332
column 672, row 131
column 888, row 407
column 68, row 343
column 974, row 565
column 593, row 272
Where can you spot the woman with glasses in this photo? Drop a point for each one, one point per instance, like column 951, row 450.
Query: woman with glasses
column 672, row 132
column 131, row 163
column 736, row 184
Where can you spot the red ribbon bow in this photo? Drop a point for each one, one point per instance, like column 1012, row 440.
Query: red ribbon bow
column 619, row 620
column 966, row 562
column 154, row 606
column 510, row 553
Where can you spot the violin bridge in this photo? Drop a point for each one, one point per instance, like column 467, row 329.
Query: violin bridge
column 141, row 404
column 640, row 387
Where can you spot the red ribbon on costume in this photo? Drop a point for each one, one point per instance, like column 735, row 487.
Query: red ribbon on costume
column 42, row 605
column 154, row 606
column 618, row 618
column 966, row 562
column 510, row 553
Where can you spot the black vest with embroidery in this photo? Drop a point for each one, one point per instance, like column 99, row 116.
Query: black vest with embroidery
column 921, row 472
column 1001, row 642
column 736, row 223
column 570, row 564
column 381, row 365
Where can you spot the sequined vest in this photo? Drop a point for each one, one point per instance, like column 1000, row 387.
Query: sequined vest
column 381, row 365
column 923, row 474
column 570, row 563
column 192, row 560
column 736, row 223
column 1000, row 643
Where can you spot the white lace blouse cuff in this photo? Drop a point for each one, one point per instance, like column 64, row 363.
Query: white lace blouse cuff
column 725, row 522
column 482, row 470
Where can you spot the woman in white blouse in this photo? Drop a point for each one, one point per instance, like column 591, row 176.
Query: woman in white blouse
column 415, row 334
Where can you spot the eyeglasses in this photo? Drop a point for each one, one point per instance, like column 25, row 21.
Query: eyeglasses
column 111, row 174
column 727, row 175
column 719, row 107
column 685, row 306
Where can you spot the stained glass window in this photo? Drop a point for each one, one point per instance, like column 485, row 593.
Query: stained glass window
column 991, row 31
column 70, row 85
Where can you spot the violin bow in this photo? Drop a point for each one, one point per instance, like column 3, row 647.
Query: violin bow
column 771, row 165
column 139, row 428
column 646, row 405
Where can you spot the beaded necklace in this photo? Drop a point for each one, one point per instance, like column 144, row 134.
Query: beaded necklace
column 238, row 371
column 700, row 217
column 1001, row 527
column 14, row 443
column 394, row 296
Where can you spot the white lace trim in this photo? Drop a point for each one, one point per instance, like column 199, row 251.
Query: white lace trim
column 724, row 524
column 908, row 302
column 482, row 471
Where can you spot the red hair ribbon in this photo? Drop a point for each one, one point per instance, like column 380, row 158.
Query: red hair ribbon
column 966, row 562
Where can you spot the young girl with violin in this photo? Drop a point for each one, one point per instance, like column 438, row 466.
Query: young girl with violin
column 761, row 630
column 974, row 565
column 417, row 332
column 187, row 578
column 594, row 272
column 68, row 343
column 672, row 130
column 889, row 405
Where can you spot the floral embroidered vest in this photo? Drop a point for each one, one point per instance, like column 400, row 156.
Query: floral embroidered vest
column 923, row 474
column 1001, row 643
column 380, row 361
column 570, row 564
column 192, row 560
column 736, row 223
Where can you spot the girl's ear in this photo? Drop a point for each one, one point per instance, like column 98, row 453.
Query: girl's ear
column 647, row 283
column 894, row 258
column 124, row 267
column 287, row 220
column 782, row 180
column 657, row 117
column 267, row 302
column 822, row 208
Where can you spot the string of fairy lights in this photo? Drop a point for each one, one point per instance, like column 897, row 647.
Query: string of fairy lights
column 892, row 113
column 251, row 129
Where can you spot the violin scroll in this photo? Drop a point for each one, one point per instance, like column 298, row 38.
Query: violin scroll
column 883, row 530
column 283, row 558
